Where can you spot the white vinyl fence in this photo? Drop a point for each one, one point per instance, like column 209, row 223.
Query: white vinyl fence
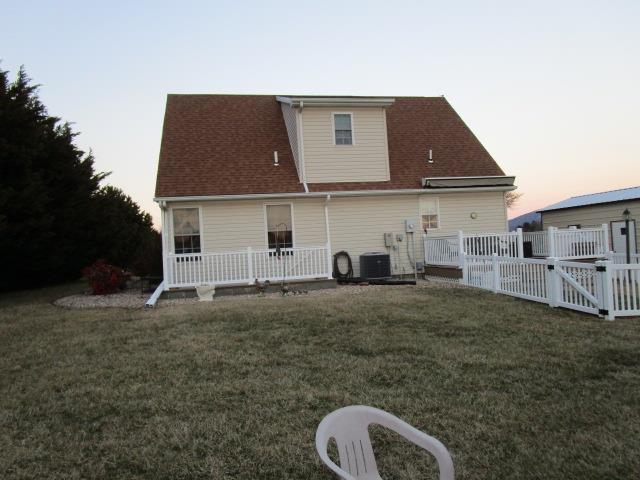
column 602, row 288
column 243, row 267
column 445, row 250
column 539, row 242
column 622, row 257
column 565, row 243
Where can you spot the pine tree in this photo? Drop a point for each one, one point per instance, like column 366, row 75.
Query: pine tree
column 51, row 205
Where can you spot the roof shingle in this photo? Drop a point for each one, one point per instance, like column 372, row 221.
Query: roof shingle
column 223, row 145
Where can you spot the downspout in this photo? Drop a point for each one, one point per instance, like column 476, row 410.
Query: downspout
column 328, row 234
column 303, row 172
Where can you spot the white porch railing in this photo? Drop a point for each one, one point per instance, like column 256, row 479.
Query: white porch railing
column 578, row 243
column 620, row 258
column 539, row 242
column 243, row 267
column 442, row 250
column 566, row 244
column 445, row 249
column 505, row 244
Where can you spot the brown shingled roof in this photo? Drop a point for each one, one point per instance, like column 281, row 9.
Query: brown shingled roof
column 223, row 145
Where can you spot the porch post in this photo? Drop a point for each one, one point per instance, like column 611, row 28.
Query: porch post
column 520, row 243
column 328, row 235
column 165, row 246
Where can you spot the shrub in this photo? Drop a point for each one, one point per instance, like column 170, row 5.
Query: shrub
column 104, row 278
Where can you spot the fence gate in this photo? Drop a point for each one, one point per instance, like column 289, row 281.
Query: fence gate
column 579, row 286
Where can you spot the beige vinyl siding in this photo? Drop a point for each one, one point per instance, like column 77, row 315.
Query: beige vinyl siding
column 357, row 224
column 456, row 210
column 290, row 121
column 592, row 215
column 365, row 161
column 236, row 225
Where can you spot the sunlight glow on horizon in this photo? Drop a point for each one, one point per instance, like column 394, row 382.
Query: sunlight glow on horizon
column 550, row 90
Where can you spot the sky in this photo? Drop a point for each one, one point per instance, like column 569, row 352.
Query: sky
column 549, row 88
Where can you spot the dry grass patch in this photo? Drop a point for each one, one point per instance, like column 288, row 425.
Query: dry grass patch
column 235, row 389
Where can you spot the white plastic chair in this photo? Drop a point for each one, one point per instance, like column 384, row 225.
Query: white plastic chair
column 349, row 427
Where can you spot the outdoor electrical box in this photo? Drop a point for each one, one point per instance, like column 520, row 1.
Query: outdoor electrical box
column 410, row 225
column 389, row 240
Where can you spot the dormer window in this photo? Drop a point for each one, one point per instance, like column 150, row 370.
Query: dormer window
column 343, row 129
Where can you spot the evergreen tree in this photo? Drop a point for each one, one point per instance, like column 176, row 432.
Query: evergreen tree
column 51, row 204
column 124, row 235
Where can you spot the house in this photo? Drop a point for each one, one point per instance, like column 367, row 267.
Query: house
column 596, row 209
column 262, row 186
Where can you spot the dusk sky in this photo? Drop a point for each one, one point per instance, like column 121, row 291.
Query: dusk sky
column 550, row 89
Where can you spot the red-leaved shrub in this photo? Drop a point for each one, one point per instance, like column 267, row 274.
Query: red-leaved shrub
column 104, row 278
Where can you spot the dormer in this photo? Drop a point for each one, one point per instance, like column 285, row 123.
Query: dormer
column 338, row 139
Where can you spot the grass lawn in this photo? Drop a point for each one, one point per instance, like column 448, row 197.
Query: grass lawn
column 236, row 389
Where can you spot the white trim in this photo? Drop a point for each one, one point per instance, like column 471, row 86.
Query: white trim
column 333, row 129
column 344, row 193
column 300, row 131
column 386, row 144
column 266, row 223
column 336, row 101
column 172, row 244
column 466, row 178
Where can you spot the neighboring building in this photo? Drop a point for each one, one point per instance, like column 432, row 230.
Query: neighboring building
column 528, row 218
column 596, row 209
column 259, row 172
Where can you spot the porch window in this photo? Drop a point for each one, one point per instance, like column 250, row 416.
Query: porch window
column 279, row 226
column 186, row 230
column 343, row 130
column 429, row 213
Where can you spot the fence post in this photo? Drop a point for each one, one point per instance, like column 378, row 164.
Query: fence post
column 250, row 265
column 520, row 243
column 551, row 232
column 606, row 291
column 463, row 266
column 329, row 263
column 553, row 286
column 461, row 250
column 496, row 272
column 605, row 237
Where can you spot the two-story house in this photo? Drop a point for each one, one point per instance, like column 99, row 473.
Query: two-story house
column 260, row 187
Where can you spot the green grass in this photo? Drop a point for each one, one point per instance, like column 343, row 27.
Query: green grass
column 235, row 389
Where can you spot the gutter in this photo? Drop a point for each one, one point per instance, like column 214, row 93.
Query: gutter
column 346, row 193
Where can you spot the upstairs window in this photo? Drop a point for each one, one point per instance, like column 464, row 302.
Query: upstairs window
column 342, row 129
column 186, row 230
column 279, row 226
column 429, row 213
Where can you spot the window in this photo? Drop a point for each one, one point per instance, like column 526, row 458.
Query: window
column 429, row 213
column 343, row 130
column 279, row 226
column 186, row 230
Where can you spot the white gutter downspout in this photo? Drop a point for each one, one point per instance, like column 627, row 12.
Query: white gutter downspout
column 328, row 230
column 303, row 170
